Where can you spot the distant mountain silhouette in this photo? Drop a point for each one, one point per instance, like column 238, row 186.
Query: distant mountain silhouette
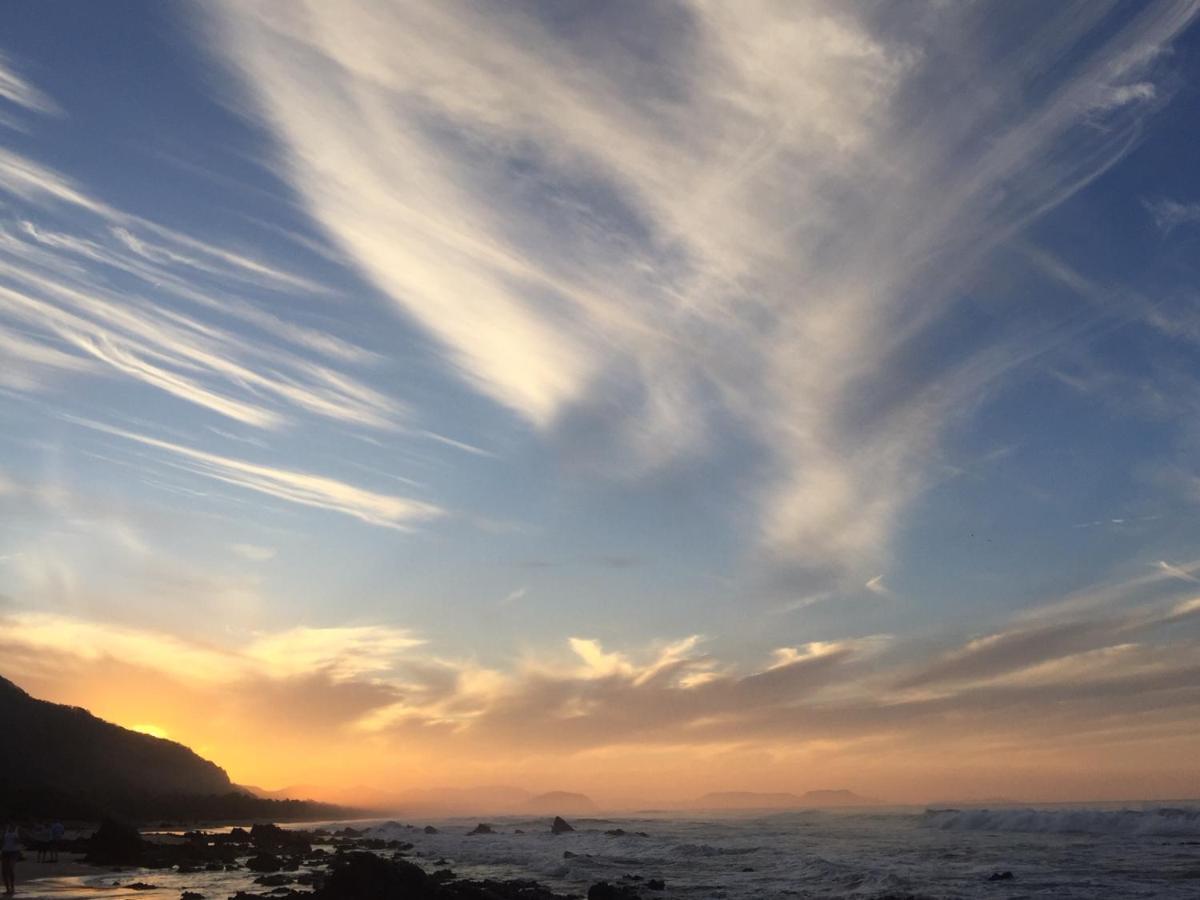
column 756, row 800
column 63, row 761
column 560, row 802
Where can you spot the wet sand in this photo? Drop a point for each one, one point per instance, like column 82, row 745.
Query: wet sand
column 37, row 878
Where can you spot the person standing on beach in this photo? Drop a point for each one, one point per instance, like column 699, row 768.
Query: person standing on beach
column 10, row 849
column 56, row 835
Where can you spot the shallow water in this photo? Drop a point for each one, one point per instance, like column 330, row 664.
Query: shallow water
column 1055, row 853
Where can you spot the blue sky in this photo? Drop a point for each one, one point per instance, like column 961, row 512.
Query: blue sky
column 422, row 340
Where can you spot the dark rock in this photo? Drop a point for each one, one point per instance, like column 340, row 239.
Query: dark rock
column 1001, row 876
column 602, row 890
column 481, row 828
column 273, row 880
column 616, row 832
column 264, row 862
column 273, row 838
column 365, row 876
column 560, row 826
column 496, row 890
column 115, row 844
column 518, row 831
column 656, row 884
column 429, row 829
column 141, row 886
column 191, row 895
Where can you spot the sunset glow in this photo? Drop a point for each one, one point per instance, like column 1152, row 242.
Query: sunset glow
column 641, row 400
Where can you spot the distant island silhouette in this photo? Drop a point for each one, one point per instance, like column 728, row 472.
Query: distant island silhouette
column 755, row 800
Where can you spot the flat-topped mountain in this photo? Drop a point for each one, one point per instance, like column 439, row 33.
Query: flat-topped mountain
column 757, row 800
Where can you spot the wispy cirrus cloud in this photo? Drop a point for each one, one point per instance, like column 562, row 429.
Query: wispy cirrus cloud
column 59, row 291
column 19, row 91
column 1169, row 214
column 299, row 487
column 744, row 226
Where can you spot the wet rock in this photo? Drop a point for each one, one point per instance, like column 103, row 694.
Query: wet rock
column 429, row 829
column 115, row 844
column 365, row 876
column 264, row 862
column 481, row 828
column 273, row 838
column 616, row 832
column 273, row 880
column 141, row 886
column 1001, row 876
column 656, row 884
column 602, row 890
column 560, row 826
column 191, row 895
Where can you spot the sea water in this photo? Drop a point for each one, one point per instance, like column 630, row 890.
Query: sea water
column 1051, row 852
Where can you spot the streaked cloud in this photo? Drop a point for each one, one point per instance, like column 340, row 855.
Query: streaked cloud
column 19, row 91
column 253, row 552
column 504, row 183
column 303, row 488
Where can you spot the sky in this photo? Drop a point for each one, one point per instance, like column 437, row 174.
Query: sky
column 638, row 399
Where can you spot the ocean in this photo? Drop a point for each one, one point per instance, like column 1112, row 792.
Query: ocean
column 1068, row 852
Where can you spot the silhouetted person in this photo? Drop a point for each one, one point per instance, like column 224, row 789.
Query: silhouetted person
column 41, row 843
column 10, row 849
column 56, row 837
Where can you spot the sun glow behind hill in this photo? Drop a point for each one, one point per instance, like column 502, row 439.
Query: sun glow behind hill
column 639, row 400
column 152, row 730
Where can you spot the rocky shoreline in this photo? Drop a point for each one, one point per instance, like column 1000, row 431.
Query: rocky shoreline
column 319, row 864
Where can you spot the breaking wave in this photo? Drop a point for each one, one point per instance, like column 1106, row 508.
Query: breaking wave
column 1165, row 821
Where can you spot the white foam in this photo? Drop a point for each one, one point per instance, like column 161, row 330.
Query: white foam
column 1164, row 821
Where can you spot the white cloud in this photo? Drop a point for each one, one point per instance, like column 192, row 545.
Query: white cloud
column 1170, row 214
column 296, row 487
column 17, row 90
column 253, row 552
column 60, row 298
column 876, row 586
column 745, row 227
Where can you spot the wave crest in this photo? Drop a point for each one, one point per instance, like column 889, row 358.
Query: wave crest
column 1164, row 821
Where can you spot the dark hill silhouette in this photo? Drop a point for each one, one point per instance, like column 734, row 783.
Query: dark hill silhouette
column 62, row 761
